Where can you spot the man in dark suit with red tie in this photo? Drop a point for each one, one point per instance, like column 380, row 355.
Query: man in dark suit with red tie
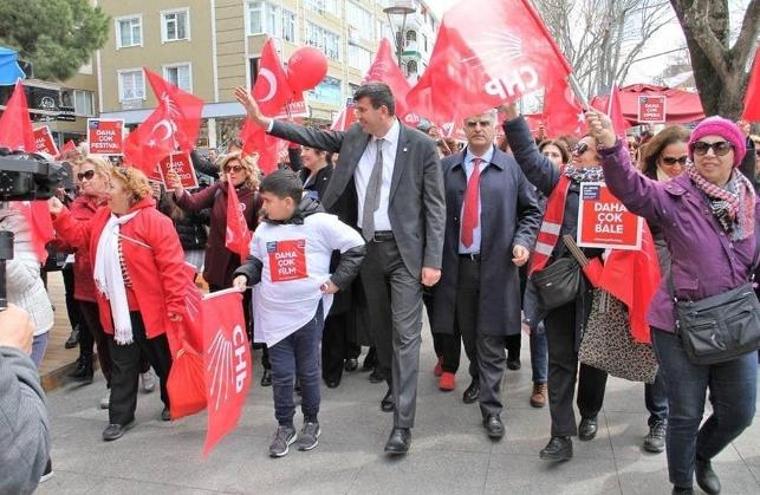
column 492, row 219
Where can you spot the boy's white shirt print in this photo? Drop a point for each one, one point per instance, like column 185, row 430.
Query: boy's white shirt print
column 282, row 307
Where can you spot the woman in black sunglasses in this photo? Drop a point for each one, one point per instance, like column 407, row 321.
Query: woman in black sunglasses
column 666, row 154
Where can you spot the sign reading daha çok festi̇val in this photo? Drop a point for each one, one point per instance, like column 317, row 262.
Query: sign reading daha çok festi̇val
column 44, row 142
column 604, row 222
column 182, row 164
column 105, row 136
column 651, row 109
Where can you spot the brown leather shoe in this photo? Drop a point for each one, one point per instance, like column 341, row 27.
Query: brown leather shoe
column 538, row 398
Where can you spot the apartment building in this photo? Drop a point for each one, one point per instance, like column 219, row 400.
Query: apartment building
column 209, row 47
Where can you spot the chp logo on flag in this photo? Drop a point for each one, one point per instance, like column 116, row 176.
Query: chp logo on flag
column 228, row 365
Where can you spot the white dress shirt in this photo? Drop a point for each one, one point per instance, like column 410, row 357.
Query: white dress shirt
column 468, row 166
column 364, row 170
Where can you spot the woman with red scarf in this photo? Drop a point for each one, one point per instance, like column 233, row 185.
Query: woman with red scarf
column 139, row 273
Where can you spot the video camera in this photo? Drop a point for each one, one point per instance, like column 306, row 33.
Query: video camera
column 24, row 177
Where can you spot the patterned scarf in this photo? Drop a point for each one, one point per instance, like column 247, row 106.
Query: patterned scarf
column 733, row 205
column 585, row 174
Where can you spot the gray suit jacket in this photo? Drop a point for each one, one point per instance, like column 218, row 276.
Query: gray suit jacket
column 417, row 210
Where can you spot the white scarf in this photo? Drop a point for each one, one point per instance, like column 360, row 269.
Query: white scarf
column 110, row 279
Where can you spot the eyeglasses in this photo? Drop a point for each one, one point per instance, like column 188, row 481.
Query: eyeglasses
column 88, row 175
column 472, row 124
column 671, row 160
column 232, row 168
column 720, row 148
column 580, row 149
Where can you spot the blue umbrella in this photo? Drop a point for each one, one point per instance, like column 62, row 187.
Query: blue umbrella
column 10, row 71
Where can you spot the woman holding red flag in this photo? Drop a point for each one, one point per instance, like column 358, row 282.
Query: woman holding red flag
column 139, row 272
column 220, row 262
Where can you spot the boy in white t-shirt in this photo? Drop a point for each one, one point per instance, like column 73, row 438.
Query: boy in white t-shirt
column 289, row 267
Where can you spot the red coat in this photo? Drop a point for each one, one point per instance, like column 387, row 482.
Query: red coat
column 220, row 262
column 157, row 271
column 83, row 208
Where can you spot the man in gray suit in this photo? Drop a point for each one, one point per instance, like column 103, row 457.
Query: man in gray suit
column 387, row 182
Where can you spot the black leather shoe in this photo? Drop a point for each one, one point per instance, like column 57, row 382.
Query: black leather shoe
column 707, row 480
column 680, row 490
column 376, row 376
column 514, row 364
column 494, row 426
column 73, row 339
column 399, row 441
column 587, row 429
column 471, row 394
column 115, row 431
column 83, row 372
column 166, row 415
column 370, row 360
column 332, row 383
column 266, row 378
column 387, row 404
column 351, row 364
column 558, row 449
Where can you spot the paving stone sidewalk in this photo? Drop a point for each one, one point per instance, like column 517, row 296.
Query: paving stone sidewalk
column 450, row 452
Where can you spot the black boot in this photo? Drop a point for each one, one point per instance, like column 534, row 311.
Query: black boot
column 83, row 372
column 558, row 449
column 707, row 480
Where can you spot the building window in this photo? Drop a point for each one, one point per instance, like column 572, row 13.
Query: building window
column 411, row 37
column 181, row 75
column 82, row 101
column 175, row 25
column 360, row 18
column 424, row 42
column 325, row 40
column 328, row 92
column 324, row 6
column 264, row 17
column 128, row 31
column 411, row 67
column 131, row 85
column 359, row 58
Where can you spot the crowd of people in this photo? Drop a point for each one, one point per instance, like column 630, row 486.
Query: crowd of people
column 383, row 219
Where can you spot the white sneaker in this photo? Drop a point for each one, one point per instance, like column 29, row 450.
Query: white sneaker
column 148, row 381
column 105, row 402
column 48, row 473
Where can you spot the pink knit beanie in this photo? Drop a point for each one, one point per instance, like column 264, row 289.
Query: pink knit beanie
column 718, row 126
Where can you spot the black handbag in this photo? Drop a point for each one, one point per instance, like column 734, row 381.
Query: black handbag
column 721, row 327
column 559, row 283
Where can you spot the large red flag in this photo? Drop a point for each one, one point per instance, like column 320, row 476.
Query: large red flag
column 487, row 52
column 271, row 90
column 227, row 360
column 562, row 113
column 174, row 124
column 16, row 130
column 267, row 148
column 752, row 98
column 345, row 118
column 615, row 112
column 238, row 236
column 385, row 69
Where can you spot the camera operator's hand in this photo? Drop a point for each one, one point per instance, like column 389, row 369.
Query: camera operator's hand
column 55, row 206
column 16, row 329
column 174, row 182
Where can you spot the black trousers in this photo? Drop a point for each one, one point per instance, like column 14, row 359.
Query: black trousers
column 72, row 305
column 95, row 333
column 563, row 369
column 126, row 361
column 465, row 320
column 335, row 345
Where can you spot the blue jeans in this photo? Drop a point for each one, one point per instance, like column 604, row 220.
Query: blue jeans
column 539, row 355
column 656, row 399
column 733, row 389
column 297, row 354
column 39, row 346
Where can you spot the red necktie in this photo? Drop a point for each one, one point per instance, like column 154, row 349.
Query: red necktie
column 471, row 201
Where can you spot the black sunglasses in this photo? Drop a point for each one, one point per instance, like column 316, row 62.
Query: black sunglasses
column 671, row 160
column 233, row 168
column 86, row 175
column 580, row 149
column 720, row 148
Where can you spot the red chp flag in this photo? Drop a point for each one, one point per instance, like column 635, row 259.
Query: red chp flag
column 174, row 124
column 562, row 113
column 615, row 112
column 238, row 236
column 272, row 93
column 16, row 130
column 487, row 52
column 227, row 363
column 752, row 98
column 346, row 117
column 385, row 69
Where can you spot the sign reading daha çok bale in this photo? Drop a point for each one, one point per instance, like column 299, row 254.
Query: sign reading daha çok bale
column 604, row 222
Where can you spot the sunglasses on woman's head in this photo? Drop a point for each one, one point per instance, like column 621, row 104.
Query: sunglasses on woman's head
column 233, row 168
column 88, row 175
column 720, row 148
column 671, row 160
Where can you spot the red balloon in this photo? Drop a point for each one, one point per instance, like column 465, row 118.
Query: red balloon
column 306, row 68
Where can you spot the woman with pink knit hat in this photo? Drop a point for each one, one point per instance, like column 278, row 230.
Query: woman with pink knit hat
column 709, row 216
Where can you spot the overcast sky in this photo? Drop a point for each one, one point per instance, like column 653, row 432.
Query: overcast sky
column 670, row 37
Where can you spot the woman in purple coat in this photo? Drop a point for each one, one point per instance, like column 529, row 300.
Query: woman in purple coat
column 708, row 216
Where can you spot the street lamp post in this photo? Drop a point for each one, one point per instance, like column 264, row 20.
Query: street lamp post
column 402, row 8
